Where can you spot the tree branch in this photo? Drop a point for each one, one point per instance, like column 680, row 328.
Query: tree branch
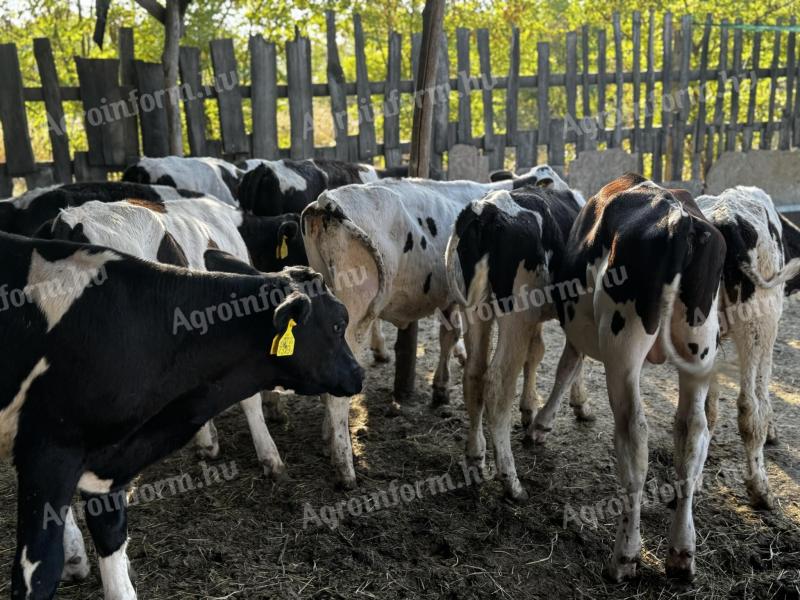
column 155, row 9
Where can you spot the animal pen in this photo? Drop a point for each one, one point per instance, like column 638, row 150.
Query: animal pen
column 701, row 93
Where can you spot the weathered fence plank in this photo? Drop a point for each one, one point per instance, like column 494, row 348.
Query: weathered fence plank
column 59, row 138
column 766, row 136
column 264, row 97
column 732, row 129
column 512, row 91
column 747, row 135
column 16, row 137
column 784, row 142
column 493, row 146
column 102, row 97
column 616, row 140
column 152, row 116
column 229, row 98
column 366, row 115
column 636, row 40
column 193, row 104
column 542, row 90
column 127, row 80
column 464, row 87
column 681, row 115
column 336, row 86
column 391, row 106
column 601, row 85
column 301, row 115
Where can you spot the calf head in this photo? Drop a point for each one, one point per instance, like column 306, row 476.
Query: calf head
column 791, row 249
column 309, row 347
column 274, row 242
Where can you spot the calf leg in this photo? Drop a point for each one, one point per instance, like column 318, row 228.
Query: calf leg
column 529, row 400
column 267, row 452
column 476, row 341
column 569, row 366
column 691, row 447
column 46, row 480
column 275, row 404
column 499, row 387
column 109, row 529
column 76, row 563
column 378, row 343
column 754, row 345
column 712, row 403
column 449, row 333
column 578, row 398
column 207, row 441
column 337, row 421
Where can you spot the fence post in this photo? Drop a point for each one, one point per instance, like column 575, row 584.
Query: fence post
column 366, row 115
column 336, row 85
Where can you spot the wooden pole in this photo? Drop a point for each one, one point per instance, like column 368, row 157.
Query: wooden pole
column 421, row 146
column 172, row 39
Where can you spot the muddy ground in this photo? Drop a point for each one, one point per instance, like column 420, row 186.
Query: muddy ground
column 245, row 537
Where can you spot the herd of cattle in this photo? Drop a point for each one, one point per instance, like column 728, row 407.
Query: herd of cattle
column 139, row 310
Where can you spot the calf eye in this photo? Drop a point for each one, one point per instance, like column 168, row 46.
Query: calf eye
column 339, row 328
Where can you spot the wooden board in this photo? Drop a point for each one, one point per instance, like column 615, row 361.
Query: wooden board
column 59, row 138
column 336, row 86
column 392, row 99
column 152, row 118
column 264, row 97
column 366, row 115
column 194, row 103
column 16, row 137
column 229, row 98
column 102, row 105
column 464, row 87
column 301, row 114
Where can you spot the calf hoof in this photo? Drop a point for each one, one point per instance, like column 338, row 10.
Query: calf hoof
column 460, row 352
column 527, row 417
column 680, row 565
column 345, row 483
column 761, row 498
column 381, row 356
column 76, row 568
column 540, row 434
column 441, row 396
column 583, row 414
column 276, row 473
column 621, row 569
column 516, row 493
column 772, row 435
column 208, row 452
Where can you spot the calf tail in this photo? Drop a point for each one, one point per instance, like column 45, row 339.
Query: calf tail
column 789, row 271
column 479, row 284
column 455, row 279
column 668, row 298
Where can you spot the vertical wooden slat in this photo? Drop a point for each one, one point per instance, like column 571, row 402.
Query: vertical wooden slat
column 301, row 115
column 366, row 115
column 441, row 108
column 526, row 150
column 733, row 123
column 229, row 98
column 747, row 135
column 555, row 149
column 766, row 136
column 616, row 141
column 464, row 86
column 416, row 45
column 193, row 104
column 512, row 92
column 336, row 88
column 100, row 91
column 571, row 84
column 700, row 124
column 682, row 109
column 601, row 85
column 492, row 145
column 785, row 140
column 152, row 118
column 391, row 112
column 264, row 97
column 16, row 138
column 588, row 140
column 719, row 107
column 542, row 91
column 59, row 139
column 636, row 31
column 127, row 79
column 650, row 84
column 666, row 88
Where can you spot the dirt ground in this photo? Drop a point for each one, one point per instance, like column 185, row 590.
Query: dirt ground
column 244, row 537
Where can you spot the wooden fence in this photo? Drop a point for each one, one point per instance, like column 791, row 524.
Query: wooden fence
column 675, row 135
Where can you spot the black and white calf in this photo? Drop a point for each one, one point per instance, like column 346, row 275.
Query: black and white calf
column 26, row 213
column 393, row 234
column 206, row 175
column 501, row 261
column 180, row 232
column 91, row 411
column 641, row 276
column 273, row 187
column 756, row 269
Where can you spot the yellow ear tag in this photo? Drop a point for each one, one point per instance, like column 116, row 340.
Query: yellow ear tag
column 283, row 345
column 282, row 251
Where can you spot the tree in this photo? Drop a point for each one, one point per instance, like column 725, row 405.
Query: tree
column 172, row 18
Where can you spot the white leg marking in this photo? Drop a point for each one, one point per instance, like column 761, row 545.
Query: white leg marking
column 76, row 563
column 9, row 416
column 207, row 441
column 91, row 483
column 27, row 570
column 266, row 449
column 114, row 573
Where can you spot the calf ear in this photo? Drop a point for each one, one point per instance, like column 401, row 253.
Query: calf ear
column 500, row 176
column 219, row 260
column 297, row 306
column 288, row 230
column 45, row 231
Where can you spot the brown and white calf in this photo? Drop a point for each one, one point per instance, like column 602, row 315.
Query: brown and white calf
column 501, row 261
column 644, row 267
column 756, row 269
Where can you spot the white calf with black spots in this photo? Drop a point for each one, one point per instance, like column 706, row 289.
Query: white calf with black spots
column 756, row 269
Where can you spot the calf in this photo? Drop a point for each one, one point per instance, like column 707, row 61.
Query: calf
column 206, row 175
column 180, row 232
column 26, row 213
column 90, row 412
column 641, row 275
column 791, row 249
column 393, row 234
column 506, row 247
column 756, row 268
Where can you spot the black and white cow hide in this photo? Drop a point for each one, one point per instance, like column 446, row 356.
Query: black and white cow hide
column 89, row 411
